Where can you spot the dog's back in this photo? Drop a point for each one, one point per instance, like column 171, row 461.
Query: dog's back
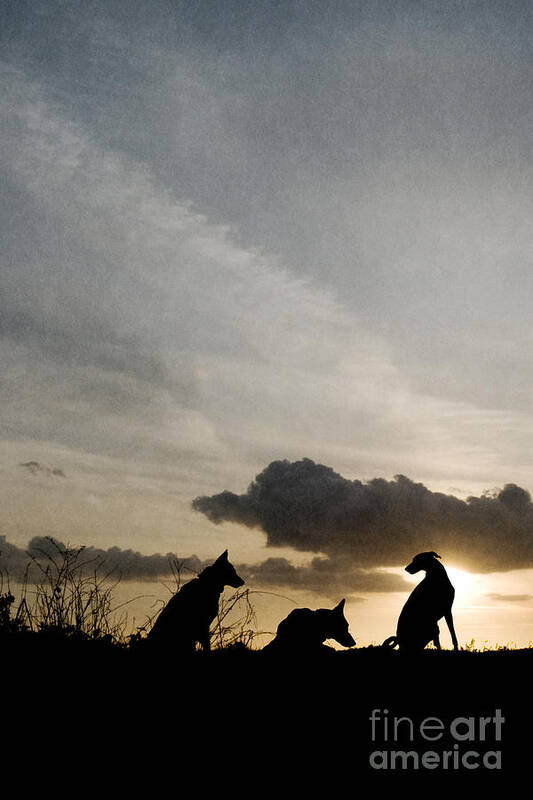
column 304, row 630
column 300, row 629
column 183, row 620
column 188, row 615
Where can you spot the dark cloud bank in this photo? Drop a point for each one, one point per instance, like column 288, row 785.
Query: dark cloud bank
column 334, row 578
column 323, row 576
column 18, row 563
column 379, row 523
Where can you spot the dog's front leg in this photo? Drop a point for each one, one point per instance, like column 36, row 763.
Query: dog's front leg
column 436, row 641
column 449, row 621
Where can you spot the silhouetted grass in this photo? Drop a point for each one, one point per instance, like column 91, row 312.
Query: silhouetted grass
column 71, row 603
column 69, row 625
column 298, row 718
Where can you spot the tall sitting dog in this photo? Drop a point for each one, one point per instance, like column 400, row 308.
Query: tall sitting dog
column 429, row 601
column 304, row 631
column 188, row 615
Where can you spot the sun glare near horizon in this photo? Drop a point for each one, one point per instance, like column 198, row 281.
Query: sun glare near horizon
column 467, row 585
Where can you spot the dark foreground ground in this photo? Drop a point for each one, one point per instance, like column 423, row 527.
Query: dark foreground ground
column 245, row 721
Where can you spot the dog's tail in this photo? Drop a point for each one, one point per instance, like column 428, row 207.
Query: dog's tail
column 391, row 642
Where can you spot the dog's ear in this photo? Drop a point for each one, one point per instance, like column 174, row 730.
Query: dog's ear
column 436, row 555
column 222, row 557
column 340, row 607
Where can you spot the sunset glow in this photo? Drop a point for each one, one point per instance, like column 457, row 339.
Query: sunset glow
column 265, row 287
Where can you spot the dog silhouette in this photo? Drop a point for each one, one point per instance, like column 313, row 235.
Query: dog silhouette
column 187, row 617
column 429, row 601
column 304, row 630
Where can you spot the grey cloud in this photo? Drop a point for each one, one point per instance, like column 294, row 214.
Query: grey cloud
column 310, row 507
column 17, row 563
column 329, row 577
column 304, row 114
column 384, row 141
column 13, row 560
column 35, row 468
column 91, row 341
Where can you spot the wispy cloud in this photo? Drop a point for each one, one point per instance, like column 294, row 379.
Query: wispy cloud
column 138, row 330
column 509, row 598
column 34, row 468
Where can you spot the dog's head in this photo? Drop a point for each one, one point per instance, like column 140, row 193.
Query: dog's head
column 423, row 561
column 338, row 626
column 225, row 572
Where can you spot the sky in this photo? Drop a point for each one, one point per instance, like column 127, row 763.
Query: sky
column 266, row 285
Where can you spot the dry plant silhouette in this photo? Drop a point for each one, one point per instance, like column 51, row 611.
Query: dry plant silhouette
column 72, row 598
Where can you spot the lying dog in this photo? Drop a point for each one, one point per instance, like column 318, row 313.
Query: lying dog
column 304, row 630
column 429, row 601
column 188, row 615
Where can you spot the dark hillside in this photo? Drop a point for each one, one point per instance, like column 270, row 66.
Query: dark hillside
column 306, row 719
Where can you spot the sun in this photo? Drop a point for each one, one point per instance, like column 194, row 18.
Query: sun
column 463, row 582
column 466, row 584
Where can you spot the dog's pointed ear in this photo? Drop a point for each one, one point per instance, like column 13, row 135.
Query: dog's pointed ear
column 222, row 557
column 340, row 607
